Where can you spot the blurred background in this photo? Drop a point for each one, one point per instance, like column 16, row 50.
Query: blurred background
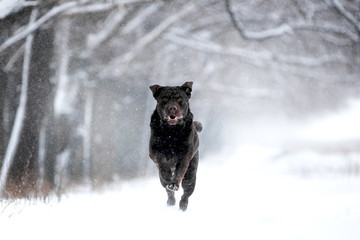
column 75, row 75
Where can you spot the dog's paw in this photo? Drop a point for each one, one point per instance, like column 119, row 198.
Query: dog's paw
column 183, row 204
column 172, row 187
column 171, row 201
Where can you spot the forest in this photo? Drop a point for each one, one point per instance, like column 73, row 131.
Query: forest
column 75, row 75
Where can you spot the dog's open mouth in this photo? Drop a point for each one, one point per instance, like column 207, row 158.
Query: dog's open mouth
column 172, row 119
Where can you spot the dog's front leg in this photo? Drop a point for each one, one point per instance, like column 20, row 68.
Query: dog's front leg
column 179, row 173
column 165, row 173
column 172, row 186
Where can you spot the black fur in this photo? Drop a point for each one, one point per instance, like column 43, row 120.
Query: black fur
column 174, row 141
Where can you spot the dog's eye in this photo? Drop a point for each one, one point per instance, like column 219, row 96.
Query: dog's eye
column 164, row 99
column 179, row 99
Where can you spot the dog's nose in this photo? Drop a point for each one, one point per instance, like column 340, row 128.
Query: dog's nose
column 172, row 108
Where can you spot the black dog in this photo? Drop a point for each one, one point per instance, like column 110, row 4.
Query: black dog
column 174, row 141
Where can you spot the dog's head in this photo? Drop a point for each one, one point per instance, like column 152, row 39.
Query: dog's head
column 172, row 102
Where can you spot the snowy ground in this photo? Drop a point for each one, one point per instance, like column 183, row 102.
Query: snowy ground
column 253, row 192
column 246, row 197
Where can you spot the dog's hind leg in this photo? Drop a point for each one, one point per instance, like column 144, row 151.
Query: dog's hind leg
column 189, row 182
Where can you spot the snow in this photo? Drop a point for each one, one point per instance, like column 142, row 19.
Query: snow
column 241, row 195
column 342, row 126
column 244, row 191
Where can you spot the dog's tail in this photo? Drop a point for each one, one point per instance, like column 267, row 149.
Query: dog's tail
column 198, row 126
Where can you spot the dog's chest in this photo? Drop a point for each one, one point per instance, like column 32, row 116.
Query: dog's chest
column 171, row 143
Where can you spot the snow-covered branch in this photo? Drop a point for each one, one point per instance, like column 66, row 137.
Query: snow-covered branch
column 260, row 35
column 257, row 58
column 20, row 113
column 155, row 33
column 101, row 7
column 291, row 27
column 252, row 57
column 68, row 8
column 326, row 28
column 124, row 60
column 124, row 2
column 14, row 58
column 12, row 6
column 32, row 27
column 141, row 17
column 340, row 8
column 288, row 64
column 91, row 8
column 111, row 24
column 269, row 33
column 30, row 3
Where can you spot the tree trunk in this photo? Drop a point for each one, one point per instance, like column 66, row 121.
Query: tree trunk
column 21, row 111
column 2, row 125
column 23, row 173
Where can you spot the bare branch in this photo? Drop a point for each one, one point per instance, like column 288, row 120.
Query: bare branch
column 349, row 17
column 32, row 27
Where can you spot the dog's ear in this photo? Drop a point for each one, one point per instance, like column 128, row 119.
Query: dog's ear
column 155, row 90
column 187, row 87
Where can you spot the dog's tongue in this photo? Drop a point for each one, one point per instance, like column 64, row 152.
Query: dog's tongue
column 172, row 120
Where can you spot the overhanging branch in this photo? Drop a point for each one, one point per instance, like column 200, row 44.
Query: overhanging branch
column 292, row 27
column 348, row 16
column 155, row 33
column 260, row 35
column 34, row 26
column 257, row 58
column 123, row 61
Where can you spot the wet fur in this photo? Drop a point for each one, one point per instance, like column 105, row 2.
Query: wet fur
column 174, row 141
